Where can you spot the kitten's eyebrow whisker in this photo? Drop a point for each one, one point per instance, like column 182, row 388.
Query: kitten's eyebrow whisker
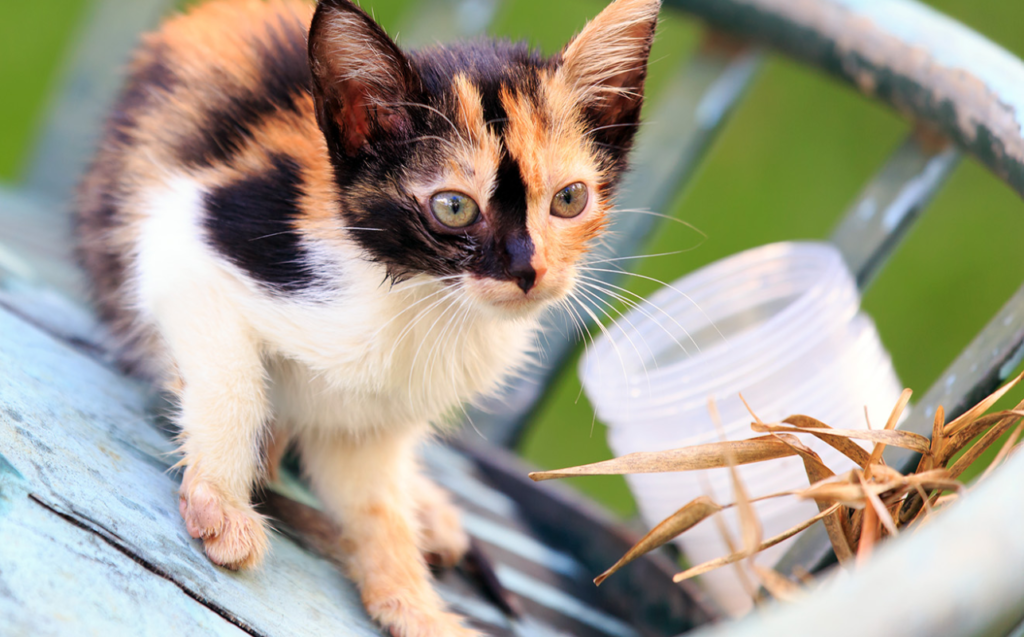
column 275, row 234
column 607, row 126
column 298, row 231
column 422, row 138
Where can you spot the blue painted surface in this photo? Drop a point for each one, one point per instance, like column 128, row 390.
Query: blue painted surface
column 80, row 436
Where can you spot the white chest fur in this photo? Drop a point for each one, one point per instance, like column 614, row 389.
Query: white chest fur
column 379, row 359
column 363, row 355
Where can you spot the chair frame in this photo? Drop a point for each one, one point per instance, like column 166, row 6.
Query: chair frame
column 964, row 94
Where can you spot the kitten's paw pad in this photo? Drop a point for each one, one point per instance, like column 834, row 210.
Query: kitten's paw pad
column 442, row 538
column 401, row 617
column 202, row 511
column 234, row 536
column 241, row 543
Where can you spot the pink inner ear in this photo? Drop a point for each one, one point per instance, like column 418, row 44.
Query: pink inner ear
column 353, row 118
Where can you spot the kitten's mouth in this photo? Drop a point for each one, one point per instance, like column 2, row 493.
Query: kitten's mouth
column 507, row 296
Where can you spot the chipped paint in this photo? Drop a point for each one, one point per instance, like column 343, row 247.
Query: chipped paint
column 924, row 64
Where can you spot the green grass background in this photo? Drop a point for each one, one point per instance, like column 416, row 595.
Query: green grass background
column 795, row 154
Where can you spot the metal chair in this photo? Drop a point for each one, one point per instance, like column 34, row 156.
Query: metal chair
column 964, row 96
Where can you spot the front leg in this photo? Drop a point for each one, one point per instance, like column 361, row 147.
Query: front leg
column 223, row 418
column 365, row 484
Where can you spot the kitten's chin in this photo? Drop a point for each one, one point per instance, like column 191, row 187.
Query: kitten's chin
column 505, row 298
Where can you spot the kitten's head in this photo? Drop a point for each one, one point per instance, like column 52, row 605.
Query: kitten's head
column 483, row 164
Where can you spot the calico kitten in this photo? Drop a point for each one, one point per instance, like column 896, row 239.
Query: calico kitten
column 312, row 236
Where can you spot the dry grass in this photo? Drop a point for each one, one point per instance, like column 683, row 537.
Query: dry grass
column 859, row 507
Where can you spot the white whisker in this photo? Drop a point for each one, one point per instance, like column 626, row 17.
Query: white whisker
column 651, row 213
column 596, row 283
column 667, row 285
column 643, row 362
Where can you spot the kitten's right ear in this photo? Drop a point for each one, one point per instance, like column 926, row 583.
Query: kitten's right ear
column 360, row 78
column 606, row 66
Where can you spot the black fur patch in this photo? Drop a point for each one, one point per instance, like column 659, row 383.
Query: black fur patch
column 512, row 242
column 407, row 244
column 229, row 125
column 251, row 223
column 615, row 140
column 509, row 199
column 489, row 65
column 404, row 243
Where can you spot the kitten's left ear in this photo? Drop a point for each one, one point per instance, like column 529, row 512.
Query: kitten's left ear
column 606, row 65
column 360, row 78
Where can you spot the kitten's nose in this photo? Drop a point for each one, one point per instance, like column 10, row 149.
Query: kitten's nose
column 525, row 276
column 518, row 265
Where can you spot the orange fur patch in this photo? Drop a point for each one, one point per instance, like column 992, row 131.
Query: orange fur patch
column 553, row 151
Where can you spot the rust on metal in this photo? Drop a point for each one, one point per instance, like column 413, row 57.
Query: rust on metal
column 930, row 138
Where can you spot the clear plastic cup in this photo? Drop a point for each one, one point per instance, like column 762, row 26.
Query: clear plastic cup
column 780, row 324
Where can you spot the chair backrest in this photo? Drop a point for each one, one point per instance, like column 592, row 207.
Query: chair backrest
column 964, row 93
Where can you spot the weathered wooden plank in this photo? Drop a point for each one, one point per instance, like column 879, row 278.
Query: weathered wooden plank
column 96, row 470
column 83, row 439
column 891, row 202
column 58, row 579
column 79, row 434
column 642, row 591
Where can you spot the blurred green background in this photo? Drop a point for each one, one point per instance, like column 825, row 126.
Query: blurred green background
column 795, row 154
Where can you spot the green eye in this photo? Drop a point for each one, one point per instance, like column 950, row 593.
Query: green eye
column 570, row 201
column 454, row 209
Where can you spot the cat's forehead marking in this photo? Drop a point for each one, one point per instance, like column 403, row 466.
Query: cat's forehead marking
column 470, row 108
column 546, row 135
column 472, row 151
column 527, row 137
